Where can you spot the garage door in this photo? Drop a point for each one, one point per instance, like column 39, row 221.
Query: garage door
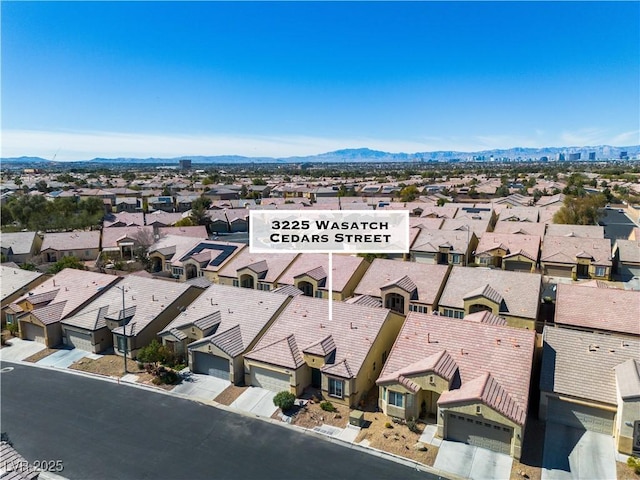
column 580, row 416
column 211, row 365
column 33, row 332
column 479, row 432
column 274, row 381
column 79, row 340
column 517, row 266
column 558, row 271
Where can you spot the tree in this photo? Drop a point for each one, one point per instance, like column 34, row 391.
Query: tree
column 66, row 262
column 502, row 191
column 581, row 210
column 244, row 192
column 199, row 211
column 185, row 222
column 409, row 193
column 258, row 181
column 284, row 400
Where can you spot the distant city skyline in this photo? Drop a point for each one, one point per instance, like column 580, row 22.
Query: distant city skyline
column 164, row 79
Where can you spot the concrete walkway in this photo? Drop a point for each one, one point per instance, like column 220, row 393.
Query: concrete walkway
column 348, row 434
column 18, row 350
column 200, row 386
column 63, row 358
column 256, row 400
column 472, row 462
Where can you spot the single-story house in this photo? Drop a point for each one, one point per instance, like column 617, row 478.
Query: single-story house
column 163, row 219
column 520, row 228
column 508, row 251
column 255, row 270
column 41, row 310
column 443, row 247
column 20, row 247
column 340, row 354
column 123, row 241
column 579, row 231
column 404, row 286
column 519, row 214
column 216, row 330
column 138, row 313
column 606, row 310
column 626, row 257
column 471, row 378
column 82, row 245
column 514, row 296
column 15, row 283
column 576, row 257
column 591, row 382
column 309, row 273
column 123, row 219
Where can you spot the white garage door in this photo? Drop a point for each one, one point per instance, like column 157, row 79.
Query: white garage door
column 211, row 365
column 480, row 433
column 580, row 416
column 274, row 381
column 33, row 332
column 79, row 340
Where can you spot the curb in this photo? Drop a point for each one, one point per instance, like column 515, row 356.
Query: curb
column 212, row 403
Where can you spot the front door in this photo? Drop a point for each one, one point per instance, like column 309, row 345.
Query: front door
column 316, row 378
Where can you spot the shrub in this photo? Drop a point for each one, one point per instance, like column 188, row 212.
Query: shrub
column 412, row 425
column 327, row 406
column 634, row 462
column 284, row 400
column 13, row 328
column 388, row 425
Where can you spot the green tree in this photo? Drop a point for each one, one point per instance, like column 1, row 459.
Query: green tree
column 581, row 210
column 199, row 211
column 409, row 193
column 284, row 400
column 66, row 262
column 258, row 181
column 185, row 222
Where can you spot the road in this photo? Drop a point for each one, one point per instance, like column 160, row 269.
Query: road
column 100, row 429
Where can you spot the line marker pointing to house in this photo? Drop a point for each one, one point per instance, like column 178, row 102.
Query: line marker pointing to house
column 330, row 273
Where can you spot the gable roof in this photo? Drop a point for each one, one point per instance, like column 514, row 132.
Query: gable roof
column 493, row 362
column 578, row 231
column 628, row 378
column 428, row 279
column 567, row 249
column 604, row 309
column 520, row 228
column 15, row 280
column 316, row 265
column 520, row 291
column 581, row 364
column 485, row 291
column 404, row 283
column 431, row 240
column 249, row 309
column 276, row 264
column 353, row 328
column 525, row 245
column 20, row 243
column 71, row 241
column 283, row 352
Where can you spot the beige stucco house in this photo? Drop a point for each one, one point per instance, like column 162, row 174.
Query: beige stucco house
column 341, row 355
column 508, row 251
column 80, row 244
column 576, row 257
column 14, row 283
column 471, row 378
column 258, row 271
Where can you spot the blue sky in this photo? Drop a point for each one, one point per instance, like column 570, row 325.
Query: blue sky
column 108, row 79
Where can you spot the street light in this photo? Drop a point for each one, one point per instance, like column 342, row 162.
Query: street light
column 124, row 328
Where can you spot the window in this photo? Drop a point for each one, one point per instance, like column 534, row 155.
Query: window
column 455, row 258
column 264, row 286
column 236, row 282
column 318, row 294
column 336, row 387
column 121, row 343
column 178, row 271
column 600, row 271
column 167, row 267
column 9, row 318
column 448, row 312
column 396, row 399
column 418, row 308
column 484, row 260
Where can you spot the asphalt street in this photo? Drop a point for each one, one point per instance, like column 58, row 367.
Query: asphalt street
column 100, row 429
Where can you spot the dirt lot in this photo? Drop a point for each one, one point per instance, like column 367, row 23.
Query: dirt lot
column 625, row 472
column 314, row 416
column 230, row 394
column 520, row 471
column 109, row 365
column 40, row 355
column 398, row 439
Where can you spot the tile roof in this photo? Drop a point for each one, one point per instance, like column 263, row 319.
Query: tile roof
column 365, row 301
column 354, row 329
column 479, row 227
column 230, row 341
column 71, row 241
column 22, row 470
column 579, row 231
column 477, row 350
column 182, row 248
column 441, row 363
column 427, row 278
column 277, row 263
column 123, row 219
column 20, row 243
column 404, row 283
column 208, row 321
column 249, row 309
column 15, row 279
column 484, row 291
column 196, row 231
column 73, row 287
column 581, row 364
column 612, row 310
column 526, row 245
column 520, row 291
column 485, row 316
column 145, row 299
column 520, row 228
column 628, row 250
column 322, row 347
column 520, row 214
column 344, row 266
column 567, row 249
column 50, row 313
column 628, row 378
column 289, row 290
column 432, row 240
column 161, row 218
column 283, row 352
column 140, row 234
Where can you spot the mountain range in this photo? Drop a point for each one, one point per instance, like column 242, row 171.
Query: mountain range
column 366, row 155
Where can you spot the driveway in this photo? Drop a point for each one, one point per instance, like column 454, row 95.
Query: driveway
column 63, row 358
column 196, row 385
column 18, row 350
column 256, row 400
column 468, row 461
column 570, row 453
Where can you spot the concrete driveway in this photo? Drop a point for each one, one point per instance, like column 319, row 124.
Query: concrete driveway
column 64, row 358
column 468, row 461
column 18, row 350
column 196, row 385
column 256, row 400
column 570, row 453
